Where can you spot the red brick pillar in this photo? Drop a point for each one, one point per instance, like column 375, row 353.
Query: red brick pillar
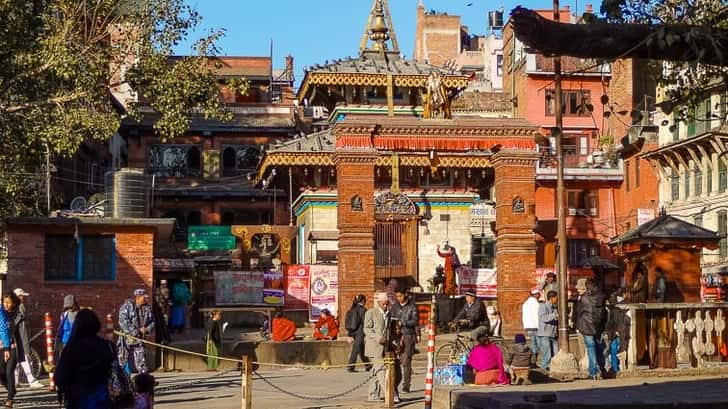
column 355, row 213
column 515, row 185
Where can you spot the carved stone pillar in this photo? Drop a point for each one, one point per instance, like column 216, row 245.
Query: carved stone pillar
column 515, row 179
column 355, row 213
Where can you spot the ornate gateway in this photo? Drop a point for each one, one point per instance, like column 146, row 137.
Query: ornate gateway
column 393, row 204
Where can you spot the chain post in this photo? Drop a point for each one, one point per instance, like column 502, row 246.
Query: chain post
column 246, row 384
column 389, row 380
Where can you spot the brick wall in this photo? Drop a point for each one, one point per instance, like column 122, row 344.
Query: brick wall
column 355, row 174
column 516, row 247
column 26, row 264
column 437, row 37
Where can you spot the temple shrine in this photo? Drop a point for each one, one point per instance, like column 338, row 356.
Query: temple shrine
column 394, row 184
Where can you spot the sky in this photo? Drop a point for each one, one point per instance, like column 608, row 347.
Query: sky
column 318, row 30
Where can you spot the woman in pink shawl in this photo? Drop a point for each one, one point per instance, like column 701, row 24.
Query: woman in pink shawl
column 486, row 360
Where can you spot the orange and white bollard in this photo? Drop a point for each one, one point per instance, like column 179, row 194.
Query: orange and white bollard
column 50, row 350
column 109, row 327
column 430, row 354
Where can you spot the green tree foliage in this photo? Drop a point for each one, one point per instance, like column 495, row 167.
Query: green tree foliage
column 63, row 61
column 684, row 83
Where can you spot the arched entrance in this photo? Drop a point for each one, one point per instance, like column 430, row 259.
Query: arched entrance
column 395, row 238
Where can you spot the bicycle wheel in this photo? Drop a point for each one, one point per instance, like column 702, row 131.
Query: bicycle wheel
column 35, row 362
column 446, row 354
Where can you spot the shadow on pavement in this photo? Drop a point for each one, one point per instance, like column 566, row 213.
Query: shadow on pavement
column 697, row 394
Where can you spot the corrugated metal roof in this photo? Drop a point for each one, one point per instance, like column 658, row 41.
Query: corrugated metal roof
column 666, row 227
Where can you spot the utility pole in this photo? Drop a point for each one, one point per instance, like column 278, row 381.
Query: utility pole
column 48, row 178
column 564, row 364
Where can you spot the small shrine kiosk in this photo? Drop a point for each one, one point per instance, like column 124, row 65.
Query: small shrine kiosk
column 671, row 244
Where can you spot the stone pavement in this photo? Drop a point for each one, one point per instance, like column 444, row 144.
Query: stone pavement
column 222, row 391
column 679, row 392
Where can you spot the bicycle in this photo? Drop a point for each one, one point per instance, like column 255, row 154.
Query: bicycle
column 34, row 359
column 452, row 351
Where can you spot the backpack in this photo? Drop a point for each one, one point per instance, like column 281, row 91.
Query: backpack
column 351, row 321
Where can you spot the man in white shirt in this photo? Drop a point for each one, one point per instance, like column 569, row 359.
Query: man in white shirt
column 529, row 315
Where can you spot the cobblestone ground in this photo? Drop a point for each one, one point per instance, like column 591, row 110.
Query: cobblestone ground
column 222, row 390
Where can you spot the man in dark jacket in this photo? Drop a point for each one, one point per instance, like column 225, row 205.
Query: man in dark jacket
column 473, row 313
column 354, row 324
column 22, row 324
column 409, row 319
column 589, row 319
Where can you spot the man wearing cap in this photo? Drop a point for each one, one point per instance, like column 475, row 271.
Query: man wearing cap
column 70, row 309
column 20, row 323
column 529, row 316
column 473, row 313
column 376, row 325
column 136, row 320
column 589, row 319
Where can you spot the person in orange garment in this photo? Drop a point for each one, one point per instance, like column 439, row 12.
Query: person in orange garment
column 326, row 327
column 282, row 329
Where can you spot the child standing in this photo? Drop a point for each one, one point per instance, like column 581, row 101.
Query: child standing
column 144, row 391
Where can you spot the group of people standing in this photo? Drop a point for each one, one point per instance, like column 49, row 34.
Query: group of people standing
column 91, row 367
column 594, row 318
column 388, row 330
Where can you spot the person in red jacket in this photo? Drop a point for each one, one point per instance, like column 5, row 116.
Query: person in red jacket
column 326, row 327
column 282, row 329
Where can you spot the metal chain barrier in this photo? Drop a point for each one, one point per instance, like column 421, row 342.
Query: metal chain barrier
column 318, row 398
column 171, row 388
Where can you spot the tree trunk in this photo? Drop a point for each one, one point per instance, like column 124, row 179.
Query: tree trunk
column 670, row 42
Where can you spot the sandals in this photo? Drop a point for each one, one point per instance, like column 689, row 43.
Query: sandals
column 8, row 403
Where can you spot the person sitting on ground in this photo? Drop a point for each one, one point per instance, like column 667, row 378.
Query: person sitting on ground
column 520, row 360
column 486, row 360
column 326, row 327
column 282, row 329
column 144, row 391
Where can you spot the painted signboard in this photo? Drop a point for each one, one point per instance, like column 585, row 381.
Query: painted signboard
column 238, row 287
column 298, row 287
column 484, row 281
column 324, row 290
column 273, row 288
column 210, row 238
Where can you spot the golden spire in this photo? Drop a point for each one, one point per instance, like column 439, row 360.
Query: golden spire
column 379, row 29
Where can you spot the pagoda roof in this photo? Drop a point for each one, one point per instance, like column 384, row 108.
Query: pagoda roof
column 460, row 143
column 372, row 68
column 666, row 228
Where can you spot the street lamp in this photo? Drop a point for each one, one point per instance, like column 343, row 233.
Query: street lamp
column 564, row 364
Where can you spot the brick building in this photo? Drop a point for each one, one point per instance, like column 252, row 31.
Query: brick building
column 381, row 187
column 100, row 261
column 203, row 178
column 593, row 170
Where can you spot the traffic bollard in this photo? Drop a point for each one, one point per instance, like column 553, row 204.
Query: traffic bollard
column 430, row 354
column 389, row 380
column 50, row 350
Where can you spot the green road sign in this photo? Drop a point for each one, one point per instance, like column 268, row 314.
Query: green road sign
column 210, row 238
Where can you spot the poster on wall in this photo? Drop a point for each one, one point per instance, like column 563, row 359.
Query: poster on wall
column 238, row 287
column 484, row 281
column 324, row 290
column 298, row 287
column 273, row 289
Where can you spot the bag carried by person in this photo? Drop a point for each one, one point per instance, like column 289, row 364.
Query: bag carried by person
column 351, row 321
column 120, row 390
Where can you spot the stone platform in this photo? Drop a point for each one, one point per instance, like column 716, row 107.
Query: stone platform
column 676, row 392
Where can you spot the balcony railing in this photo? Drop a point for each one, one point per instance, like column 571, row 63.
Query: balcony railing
column 595, row 166
column 181, row 171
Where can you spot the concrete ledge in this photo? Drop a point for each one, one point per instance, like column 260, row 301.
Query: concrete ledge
column 307, row 352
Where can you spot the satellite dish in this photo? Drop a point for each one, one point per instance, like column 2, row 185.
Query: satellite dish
column 78, row 204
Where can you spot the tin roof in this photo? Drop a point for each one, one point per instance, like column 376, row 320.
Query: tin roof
column 666, row 227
